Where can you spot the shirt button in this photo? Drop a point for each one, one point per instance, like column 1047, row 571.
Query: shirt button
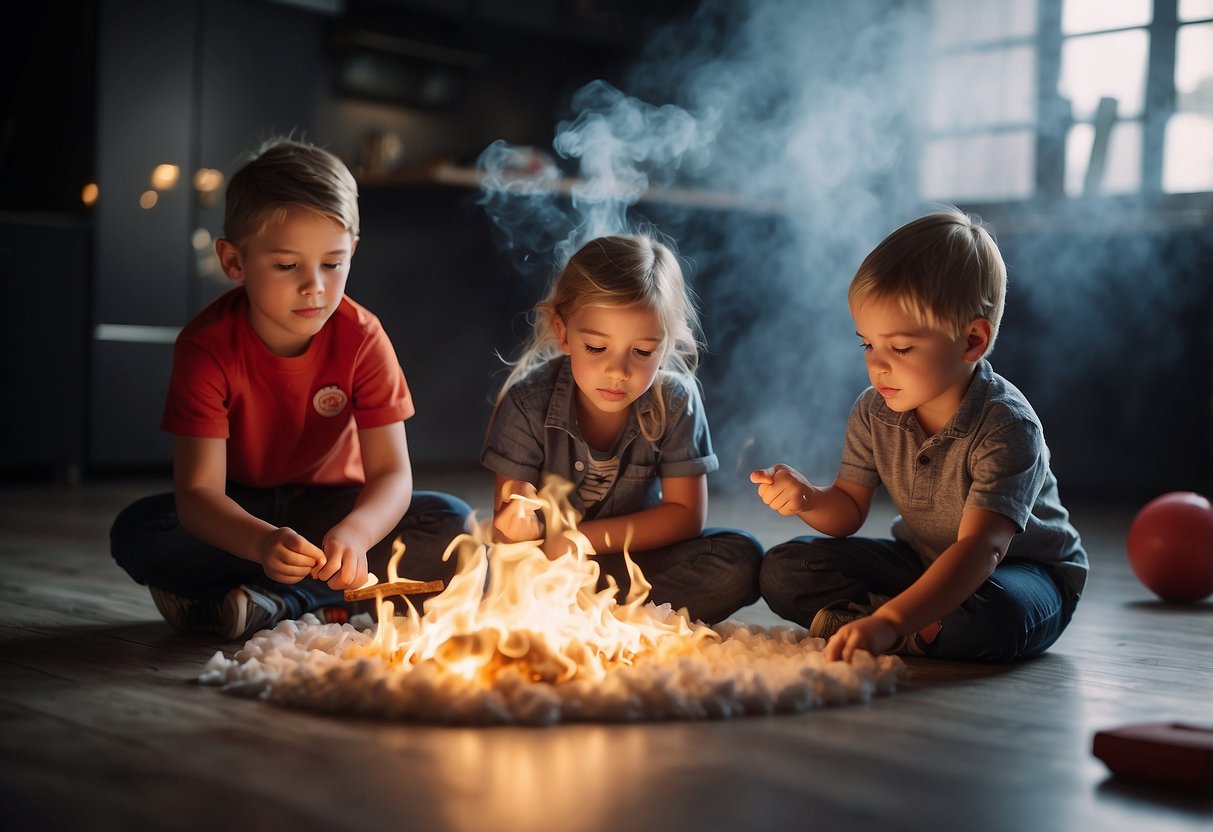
column 579, row 465
column 924, row 460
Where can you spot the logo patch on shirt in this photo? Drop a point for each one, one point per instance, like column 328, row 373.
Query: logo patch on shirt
column 329, row 401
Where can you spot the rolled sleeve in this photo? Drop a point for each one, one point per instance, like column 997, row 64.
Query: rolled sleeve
column 1009, row 467
column 512, row 448
column 686, row 447
column 858, row 463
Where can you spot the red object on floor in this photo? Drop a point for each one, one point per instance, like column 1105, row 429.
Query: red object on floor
column 1170, row 546
column 334, row 615
column 1165, row 753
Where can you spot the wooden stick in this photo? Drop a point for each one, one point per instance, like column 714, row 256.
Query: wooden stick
column 393, row 588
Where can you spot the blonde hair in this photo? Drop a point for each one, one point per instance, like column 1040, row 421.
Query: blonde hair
column 284, row 174
column 618, row 271
column 944, row 268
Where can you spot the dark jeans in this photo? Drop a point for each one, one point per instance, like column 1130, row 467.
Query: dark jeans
column 147, row 540
column 712, row 575
column 1018, row 612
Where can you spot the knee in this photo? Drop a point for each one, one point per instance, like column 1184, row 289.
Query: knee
column 740, row 557
column 782, row 571
column 443, row 512
column 136, row 526
column 996, row 625
column 438, row 503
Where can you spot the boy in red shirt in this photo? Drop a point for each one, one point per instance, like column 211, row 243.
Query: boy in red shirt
column 291, row 474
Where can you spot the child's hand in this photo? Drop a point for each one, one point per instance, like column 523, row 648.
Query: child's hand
column 516, row 516
column 288, row 557
column 345, row 566
column 782, row 488
column 873, row 633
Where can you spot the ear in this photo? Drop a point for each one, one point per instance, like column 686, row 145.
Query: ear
column 230, row 259
column 562, row 333
column 977, row 340
column 353, row 244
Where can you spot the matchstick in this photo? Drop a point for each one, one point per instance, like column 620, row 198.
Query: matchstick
column 362, row 593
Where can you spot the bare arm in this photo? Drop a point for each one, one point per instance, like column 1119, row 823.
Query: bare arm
column 681, row 516
column 837, row 510
column 205, row 511
column 384, row 500
column 980, row 546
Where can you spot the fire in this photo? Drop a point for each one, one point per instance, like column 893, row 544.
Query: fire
column 510, row 606
column 518, row 637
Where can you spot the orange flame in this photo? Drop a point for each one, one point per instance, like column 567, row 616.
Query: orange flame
column 511, row 608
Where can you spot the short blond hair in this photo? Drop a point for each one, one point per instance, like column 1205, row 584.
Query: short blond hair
column 284, row 174
column 944, row 268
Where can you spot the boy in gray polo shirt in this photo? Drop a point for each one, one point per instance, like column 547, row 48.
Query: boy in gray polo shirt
column 984, row 564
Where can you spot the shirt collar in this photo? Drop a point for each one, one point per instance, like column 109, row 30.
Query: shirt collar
column 964, row 421
column 966, row 418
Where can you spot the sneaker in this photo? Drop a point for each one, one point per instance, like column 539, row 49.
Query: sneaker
column 908, row 646
column 189, row 615
column 830, row 620
column 247, row 610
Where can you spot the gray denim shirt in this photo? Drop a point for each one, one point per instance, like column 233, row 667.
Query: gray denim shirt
column 534, row 432
column 990, row 455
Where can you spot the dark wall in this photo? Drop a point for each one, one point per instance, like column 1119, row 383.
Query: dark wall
column 1109, row 331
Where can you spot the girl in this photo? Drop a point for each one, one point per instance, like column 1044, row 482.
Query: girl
column 604, row 396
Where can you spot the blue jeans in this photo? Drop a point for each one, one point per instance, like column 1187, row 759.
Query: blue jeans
column 712, row 575
column 1018, row 612
column 147, row 540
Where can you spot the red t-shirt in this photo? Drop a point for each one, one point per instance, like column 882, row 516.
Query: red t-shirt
column 286, row 420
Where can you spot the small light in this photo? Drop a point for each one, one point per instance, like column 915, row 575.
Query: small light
column 148, row 199
column 89, row 194
column 207, row 180
column 165, row 176
column 201, row 239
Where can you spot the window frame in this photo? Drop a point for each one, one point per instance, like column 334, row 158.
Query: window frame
column 1053, row 122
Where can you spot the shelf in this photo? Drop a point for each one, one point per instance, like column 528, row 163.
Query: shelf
column 458, row 176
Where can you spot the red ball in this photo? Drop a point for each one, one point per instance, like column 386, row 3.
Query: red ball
column 1170, row 546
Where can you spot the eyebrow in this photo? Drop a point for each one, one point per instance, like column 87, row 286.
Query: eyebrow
column 604, row 335
column 896, row 334
column 293, row 251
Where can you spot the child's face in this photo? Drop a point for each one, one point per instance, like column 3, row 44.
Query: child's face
column 294, row 272
column 615, row 351
column 913, row 366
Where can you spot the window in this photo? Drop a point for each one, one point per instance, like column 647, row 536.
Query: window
column 1068, row 98
column 1104, row 51
column 982, row 111
column 1187, row 158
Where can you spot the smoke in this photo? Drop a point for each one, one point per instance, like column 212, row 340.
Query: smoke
column 810, row 105
column 619, row 147
column 777, row 142
column 766, row 139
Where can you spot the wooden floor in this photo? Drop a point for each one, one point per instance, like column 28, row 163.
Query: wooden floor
column 104, row 728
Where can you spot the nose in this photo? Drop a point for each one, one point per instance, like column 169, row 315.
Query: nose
column 618, row 370
column 312, row 282
column 876, row 363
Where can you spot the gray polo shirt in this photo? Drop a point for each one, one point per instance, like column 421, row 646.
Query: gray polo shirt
column 991, row 455
column 534, row 432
